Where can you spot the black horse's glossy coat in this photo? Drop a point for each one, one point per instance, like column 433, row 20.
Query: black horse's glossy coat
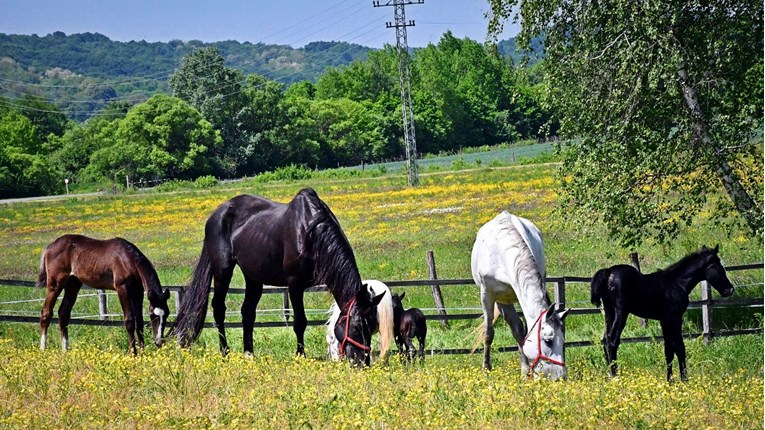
column 662, row 296
column 407, row 325
column 299, row 244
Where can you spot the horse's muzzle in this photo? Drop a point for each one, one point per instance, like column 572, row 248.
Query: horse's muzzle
column 727, row 293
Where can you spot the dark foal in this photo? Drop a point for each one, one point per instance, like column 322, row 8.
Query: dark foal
column 408, row 324
column 662, row 295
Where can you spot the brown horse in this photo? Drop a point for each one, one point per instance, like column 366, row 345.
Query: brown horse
column 113, row 264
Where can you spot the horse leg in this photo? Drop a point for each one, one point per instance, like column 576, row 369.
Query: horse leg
column 609, row 317
column 680, row 351
column 614, row 339
column 129, row 316
column 136, row 302
column 221, row 282
column 252, row 293
column 421, row 341
column 300, row 321
column 410, row 351
column 55, row 287
column 65, row 310
column 488, row 319
column 519, row 332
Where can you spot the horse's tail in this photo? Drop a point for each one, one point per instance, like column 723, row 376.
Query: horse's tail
column 42, row 274
column 480, row 331
column 385, row 321
column 598, row 286
column 193, row 309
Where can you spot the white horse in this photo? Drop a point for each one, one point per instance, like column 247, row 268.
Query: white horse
column 508, row 263
column 383, row 321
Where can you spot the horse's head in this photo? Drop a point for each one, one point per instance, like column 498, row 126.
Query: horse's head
column 355, row 326
column 714, row 271
column 398, row 305
column 543, row 346
column 159, row 312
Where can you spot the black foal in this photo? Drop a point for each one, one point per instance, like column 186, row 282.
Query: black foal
column 408, row 324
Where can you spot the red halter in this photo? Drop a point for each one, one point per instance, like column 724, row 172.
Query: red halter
column 540, row 356
column 347, row 338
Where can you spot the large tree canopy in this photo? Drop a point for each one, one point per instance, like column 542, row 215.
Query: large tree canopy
column 664, row 99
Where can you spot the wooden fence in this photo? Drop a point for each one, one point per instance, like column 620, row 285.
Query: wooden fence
column 706, row 304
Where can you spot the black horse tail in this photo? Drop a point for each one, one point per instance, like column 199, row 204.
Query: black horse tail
column 599, row 285
column 42, row 274
column 193, row 308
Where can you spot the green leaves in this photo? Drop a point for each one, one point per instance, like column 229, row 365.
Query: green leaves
column 661, row 98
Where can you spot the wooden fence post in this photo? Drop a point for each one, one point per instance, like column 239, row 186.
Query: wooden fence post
column 706, row 311
column 103, row 311
column 635, row 261
column 286, row 305
column 560, row 305
column 436, row 289
column 179, row 299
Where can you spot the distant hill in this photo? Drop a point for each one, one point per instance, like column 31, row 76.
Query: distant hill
column 83, row 72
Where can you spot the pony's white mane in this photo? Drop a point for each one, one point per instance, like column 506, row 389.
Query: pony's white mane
column 384, row 319
column 532, row 237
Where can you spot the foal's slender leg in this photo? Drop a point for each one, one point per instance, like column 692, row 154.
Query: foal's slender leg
column 614, row 338
column 410, row 351
column 127, row 311
column 421, row 341
column 519, row 332
column 222, row 280
column 680, row 351
column 252, row 293
column 65, row 309
column 135, row 295
column 55, row 287
column 608, row 310
column 300, row 321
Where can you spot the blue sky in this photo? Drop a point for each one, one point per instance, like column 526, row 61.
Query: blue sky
column 289, row 22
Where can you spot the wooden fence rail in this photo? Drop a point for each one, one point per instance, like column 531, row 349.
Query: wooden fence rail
column 706, row 304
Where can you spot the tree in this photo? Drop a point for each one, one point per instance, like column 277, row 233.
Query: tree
column 164, row 137
column 216, row 92
column 665, row 99
column 24, row 168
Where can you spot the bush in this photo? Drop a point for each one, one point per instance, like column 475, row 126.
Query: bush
column 207, row 181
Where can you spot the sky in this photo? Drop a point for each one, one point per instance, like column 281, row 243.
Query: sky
column 284, row 22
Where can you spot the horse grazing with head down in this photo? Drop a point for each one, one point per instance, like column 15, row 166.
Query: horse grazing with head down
column 662, row 295
column 508, row 263
column 378, row 322
column 298, row 244
column 114, row 264
column 409, row 324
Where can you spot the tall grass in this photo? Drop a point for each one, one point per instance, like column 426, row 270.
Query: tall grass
column 390, row 228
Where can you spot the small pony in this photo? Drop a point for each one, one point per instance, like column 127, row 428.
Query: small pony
column 380, row 321
column 408, row 324
column 113, row 264
column 662, row 295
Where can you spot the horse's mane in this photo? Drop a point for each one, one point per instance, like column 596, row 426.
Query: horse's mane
column 335, row 264
column 146, row 270
column 525, row 264
column 684, row 263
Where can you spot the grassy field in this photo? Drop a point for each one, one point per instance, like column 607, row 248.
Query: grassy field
column 390, row 228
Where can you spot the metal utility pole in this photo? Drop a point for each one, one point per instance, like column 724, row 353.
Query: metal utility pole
column 402, row 49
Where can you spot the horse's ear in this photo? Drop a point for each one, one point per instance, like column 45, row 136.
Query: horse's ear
column 402, row 295
column 377, row 299
column 717, row 248
column 166, row 293
column 564, row 314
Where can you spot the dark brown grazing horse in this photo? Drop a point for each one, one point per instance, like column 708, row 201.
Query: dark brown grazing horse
column 114, row 264
column 299, row 244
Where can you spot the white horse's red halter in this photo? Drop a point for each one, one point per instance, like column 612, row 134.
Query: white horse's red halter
column 540, row 356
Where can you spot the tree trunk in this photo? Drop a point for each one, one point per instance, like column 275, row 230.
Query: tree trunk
column 737, row 193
